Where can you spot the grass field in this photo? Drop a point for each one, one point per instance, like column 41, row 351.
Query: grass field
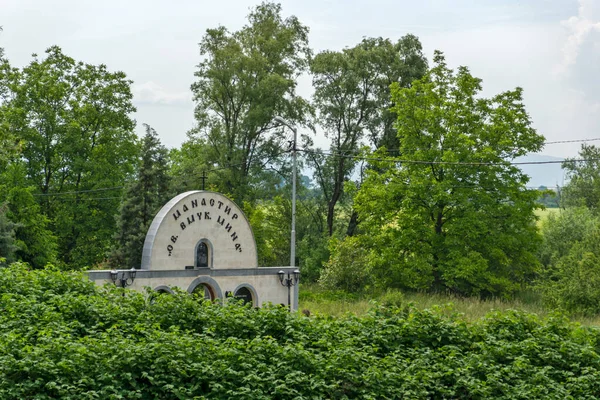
column 337, row 303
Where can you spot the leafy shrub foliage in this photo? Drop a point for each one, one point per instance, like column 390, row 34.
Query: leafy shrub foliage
column 571, row 259
column 562, row 230
column 347, row 268
column 62, row 337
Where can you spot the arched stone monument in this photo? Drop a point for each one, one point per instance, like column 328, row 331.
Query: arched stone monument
column 196, row 224
column 201, row 242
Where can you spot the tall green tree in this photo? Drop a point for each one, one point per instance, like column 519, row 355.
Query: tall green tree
column 144, row 195
column 73, row 119
column 453, row 213
column 7, row 241
column 583, row 173
column 352, row 96
column 400, row 63
column 245, row 79
column 37, row 244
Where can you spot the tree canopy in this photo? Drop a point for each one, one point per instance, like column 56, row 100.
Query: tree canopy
column 8, row 245
column 8, row 145
column 452, row 213
column 415, row 190
column 245, row 79
column 72, row 121
column 352, row 96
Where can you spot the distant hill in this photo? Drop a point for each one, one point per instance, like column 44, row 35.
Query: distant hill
column 549, row 175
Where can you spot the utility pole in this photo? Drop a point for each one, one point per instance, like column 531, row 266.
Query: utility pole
column 294, row 172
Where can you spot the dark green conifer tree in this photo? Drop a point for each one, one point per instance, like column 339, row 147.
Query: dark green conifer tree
column 142, row 199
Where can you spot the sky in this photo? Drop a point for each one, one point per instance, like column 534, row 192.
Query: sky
column 550, row 48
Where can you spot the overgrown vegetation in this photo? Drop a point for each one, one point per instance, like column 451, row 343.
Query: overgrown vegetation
column 337, row 303
column 570, row 255
column 62, row 337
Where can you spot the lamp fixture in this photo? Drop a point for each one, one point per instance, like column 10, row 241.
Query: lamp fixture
column 123, row 277
column 289, row 281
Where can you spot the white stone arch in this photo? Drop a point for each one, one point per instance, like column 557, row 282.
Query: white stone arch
column 189, row 217
column 254, row 294
column 163, row 288
column 206, row 281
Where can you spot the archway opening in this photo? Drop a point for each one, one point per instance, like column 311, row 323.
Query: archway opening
column 244, row 294
column 159, row 291
column 203, row 256
column 205, row 291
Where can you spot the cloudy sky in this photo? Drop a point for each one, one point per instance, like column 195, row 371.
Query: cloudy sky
column 551, row 48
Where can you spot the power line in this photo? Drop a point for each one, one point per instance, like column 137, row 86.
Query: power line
column 79, row 191
column 356, row 157
column 228, row 166
column 572, row 141
column 546, row 143
column 89, row 198
column 468, row 163
column 225, row 167
column 121, row 187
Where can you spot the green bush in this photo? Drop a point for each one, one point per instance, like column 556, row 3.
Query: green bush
column 63, row 338
column 393, row 298
column 313, row 253
column 571, row 257
column 576, row 284
column 560, row 232
column 347, row 268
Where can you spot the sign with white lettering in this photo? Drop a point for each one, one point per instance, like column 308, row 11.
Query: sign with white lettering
column 200, row 229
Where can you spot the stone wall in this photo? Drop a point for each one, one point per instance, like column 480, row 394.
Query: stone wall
column 262, row 282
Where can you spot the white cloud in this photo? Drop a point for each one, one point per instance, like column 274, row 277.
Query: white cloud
column 580, row 27
column 152, row 93
column 569, row 114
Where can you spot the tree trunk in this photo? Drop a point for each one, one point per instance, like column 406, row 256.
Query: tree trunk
column 353, row 224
